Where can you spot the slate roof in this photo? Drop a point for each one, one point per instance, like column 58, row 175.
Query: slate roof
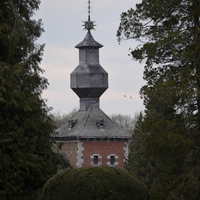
column 88, row 41
column 90, row 124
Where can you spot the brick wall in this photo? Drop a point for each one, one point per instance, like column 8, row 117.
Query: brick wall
column 104, row 149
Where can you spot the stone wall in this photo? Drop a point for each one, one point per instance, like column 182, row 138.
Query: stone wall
column 69, row 149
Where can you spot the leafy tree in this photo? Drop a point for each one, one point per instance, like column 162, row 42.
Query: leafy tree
column 170, row 35
column 26, row 158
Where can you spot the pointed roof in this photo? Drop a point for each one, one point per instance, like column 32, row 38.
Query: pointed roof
column 90, row 124
column 88, row 41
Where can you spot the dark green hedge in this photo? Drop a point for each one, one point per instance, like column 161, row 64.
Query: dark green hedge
column 95, row 183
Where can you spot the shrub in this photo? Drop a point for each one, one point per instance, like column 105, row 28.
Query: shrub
column 94, row 183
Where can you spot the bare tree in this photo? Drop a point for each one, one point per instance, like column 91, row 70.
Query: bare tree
column 59, row 119
column 125, row 122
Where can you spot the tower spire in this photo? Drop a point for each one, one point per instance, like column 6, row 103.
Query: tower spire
column 88, row 25
column 88, row 10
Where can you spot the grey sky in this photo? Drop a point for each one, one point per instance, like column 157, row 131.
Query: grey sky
column 62, row 21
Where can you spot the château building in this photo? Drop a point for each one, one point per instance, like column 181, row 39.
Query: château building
column 90, row 137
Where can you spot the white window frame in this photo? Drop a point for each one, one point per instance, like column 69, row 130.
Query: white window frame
column 115, row 157
column 99, row 157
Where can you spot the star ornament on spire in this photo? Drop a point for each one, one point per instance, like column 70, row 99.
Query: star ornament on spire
column 89, row 25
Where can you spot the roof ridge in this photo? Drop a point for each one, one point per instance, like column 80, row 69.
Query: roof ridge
column 85, row 120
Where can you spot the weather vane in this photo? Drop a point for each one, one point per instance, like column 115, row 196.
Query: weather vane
column 88, row 25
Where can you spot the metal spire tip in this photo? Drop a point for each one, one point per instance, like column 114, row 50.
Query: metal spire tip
column 89, row 25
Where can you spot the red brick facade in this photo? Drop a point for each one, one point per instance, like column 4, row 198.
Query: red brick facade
column 86, row 153
column 104, row 149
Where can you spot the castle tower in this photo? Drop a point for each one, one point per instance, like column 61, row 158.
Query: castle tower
column 90, row 137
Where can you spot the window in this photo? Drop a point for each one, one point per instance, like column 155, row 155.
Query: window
column 72, row 123
column 100, row 123
column 112, row 160
column 96, row 160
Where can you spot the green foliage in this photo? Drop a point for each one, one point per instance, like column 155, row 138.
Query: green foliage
column 170, row 130
column 26, row 157
column 94, row 183
column 137, row 161
column 162, row 159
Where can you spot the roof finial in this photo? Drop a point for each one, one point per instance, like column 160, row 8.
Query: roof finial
column 88, row 10
column 88, row 25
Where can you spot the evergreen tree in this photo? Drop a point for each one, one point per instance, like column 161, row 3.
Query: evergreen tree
column 137, row 161
column 26, row 157
column 170, row 32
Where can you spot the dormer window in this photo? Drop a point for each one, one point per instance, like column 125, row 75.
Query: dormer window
column 100, row 123
column 72, row 123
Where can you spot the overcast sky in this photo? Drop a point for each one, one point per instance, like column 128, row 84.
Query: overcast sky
column 62, row 21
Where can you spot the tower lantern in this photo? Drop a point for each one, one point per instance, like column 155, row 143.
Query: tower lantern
column 89, row 80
